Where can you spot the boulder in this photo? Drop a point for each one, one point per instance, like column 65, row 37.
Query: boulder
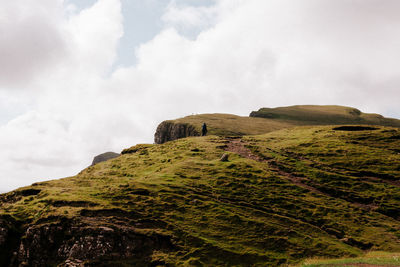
column 224, row 157
column 104, row 157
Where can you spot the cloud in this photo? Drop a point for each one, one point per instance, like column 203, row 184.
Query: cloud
column 29, row 41
column 235, row 56
column 62, row 114
column 188, row 18
column 272, row 53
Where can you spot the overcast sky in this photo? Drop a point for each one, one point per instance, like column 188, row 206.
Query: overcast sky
column 81, row 77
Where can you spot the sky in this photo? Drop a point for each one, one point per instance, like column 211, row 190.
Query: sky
column 82, row 77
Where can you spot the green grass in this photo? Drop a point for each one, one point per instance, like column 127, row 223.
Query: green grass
column 373, row 258
column 323, row 115
column 268, row 120
column 362, row 167
column 242, row 212
column 227, row 124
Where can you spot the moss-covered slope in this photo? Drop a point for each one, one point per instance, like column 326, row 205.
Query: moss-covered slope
column 323, row 115
column 282, row 197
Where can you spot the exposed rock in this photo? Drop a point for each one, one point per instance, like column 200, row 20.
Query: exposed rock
column 104, row 157
column 224, row 157
column 78, row 242
column 29, row 192
column 141, row 148
column 73, row 242
column 352, row 242
column 9, row 239
column 169, row 131
column 355, row 128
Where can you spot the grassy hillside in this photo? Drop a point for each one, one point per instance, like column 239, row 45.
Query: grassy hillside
column 267, row 120
column 323, row 115
column 282, row 197
column 228, row 124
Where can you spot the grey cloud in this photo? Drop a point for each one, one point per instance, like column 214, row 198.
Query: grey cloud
column 30, row 40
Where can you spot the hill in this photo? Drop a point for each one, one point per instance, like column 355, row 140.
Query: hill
column 267, row 120
column 282, row 197
column 324, row 115
column 217, row 124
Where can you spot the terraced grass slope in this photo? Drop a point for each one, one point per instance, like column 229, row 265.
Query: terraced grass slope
column 267, row 120
column 282, row 197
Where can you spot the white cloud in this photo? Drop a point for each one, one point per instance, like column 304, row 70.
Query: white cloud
column 245, row 54
column 187, row 18
column 68, row 116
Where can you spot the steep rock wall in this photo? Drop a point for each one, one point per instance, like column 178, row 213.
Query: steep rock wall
column 169, row 131
column 71, row 242
column 9, row 240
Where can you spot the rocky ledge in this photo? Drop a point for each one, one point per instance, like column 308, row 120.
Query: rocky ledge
column 85, row 241
column 169, row 131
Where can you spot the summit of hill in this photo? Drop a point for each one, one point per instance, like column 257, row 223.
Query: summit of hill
column 266, row 120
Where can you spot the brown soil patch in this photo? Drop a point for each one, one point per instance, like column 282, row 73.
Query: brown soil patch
column 238, row 146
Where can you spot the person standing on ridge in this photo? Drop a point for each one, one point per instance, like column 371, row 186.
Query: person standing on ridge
column 204, row 129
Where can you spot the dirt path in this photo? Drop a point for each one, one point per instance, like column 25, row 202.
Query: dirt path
column 336, row 169
column 238, row 146
column 376, row 179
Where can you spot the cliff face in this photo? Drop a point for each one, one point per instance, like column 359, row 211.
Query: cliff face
column 169, row 131
column 9, row 241
column 71, row 242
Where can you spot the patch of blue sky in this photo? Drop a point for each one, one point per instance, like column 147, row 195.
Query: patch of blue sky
column 142, row 22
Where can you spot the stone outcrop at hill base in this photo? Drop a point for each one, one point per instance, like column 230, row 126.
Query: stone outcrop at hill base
column 9, row 240
column 72, row 242
column 169, row 131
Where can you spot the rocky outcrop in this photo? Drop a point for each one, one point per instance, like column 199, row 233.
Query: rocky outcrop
column 9, row 240
column 104, row 157
column 79, row 242
column 169, row 131
column 139, row 148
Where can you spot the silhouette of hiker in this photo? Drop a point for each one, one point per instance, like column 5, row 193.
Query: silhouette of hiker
column 204, row 129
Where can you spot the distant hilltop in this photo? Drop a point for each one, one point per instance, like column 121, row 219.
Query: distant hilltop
column 266, row 120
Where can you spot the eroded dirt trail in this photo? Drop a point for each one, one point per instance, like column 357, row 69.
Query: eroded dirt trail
column 238, row 146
